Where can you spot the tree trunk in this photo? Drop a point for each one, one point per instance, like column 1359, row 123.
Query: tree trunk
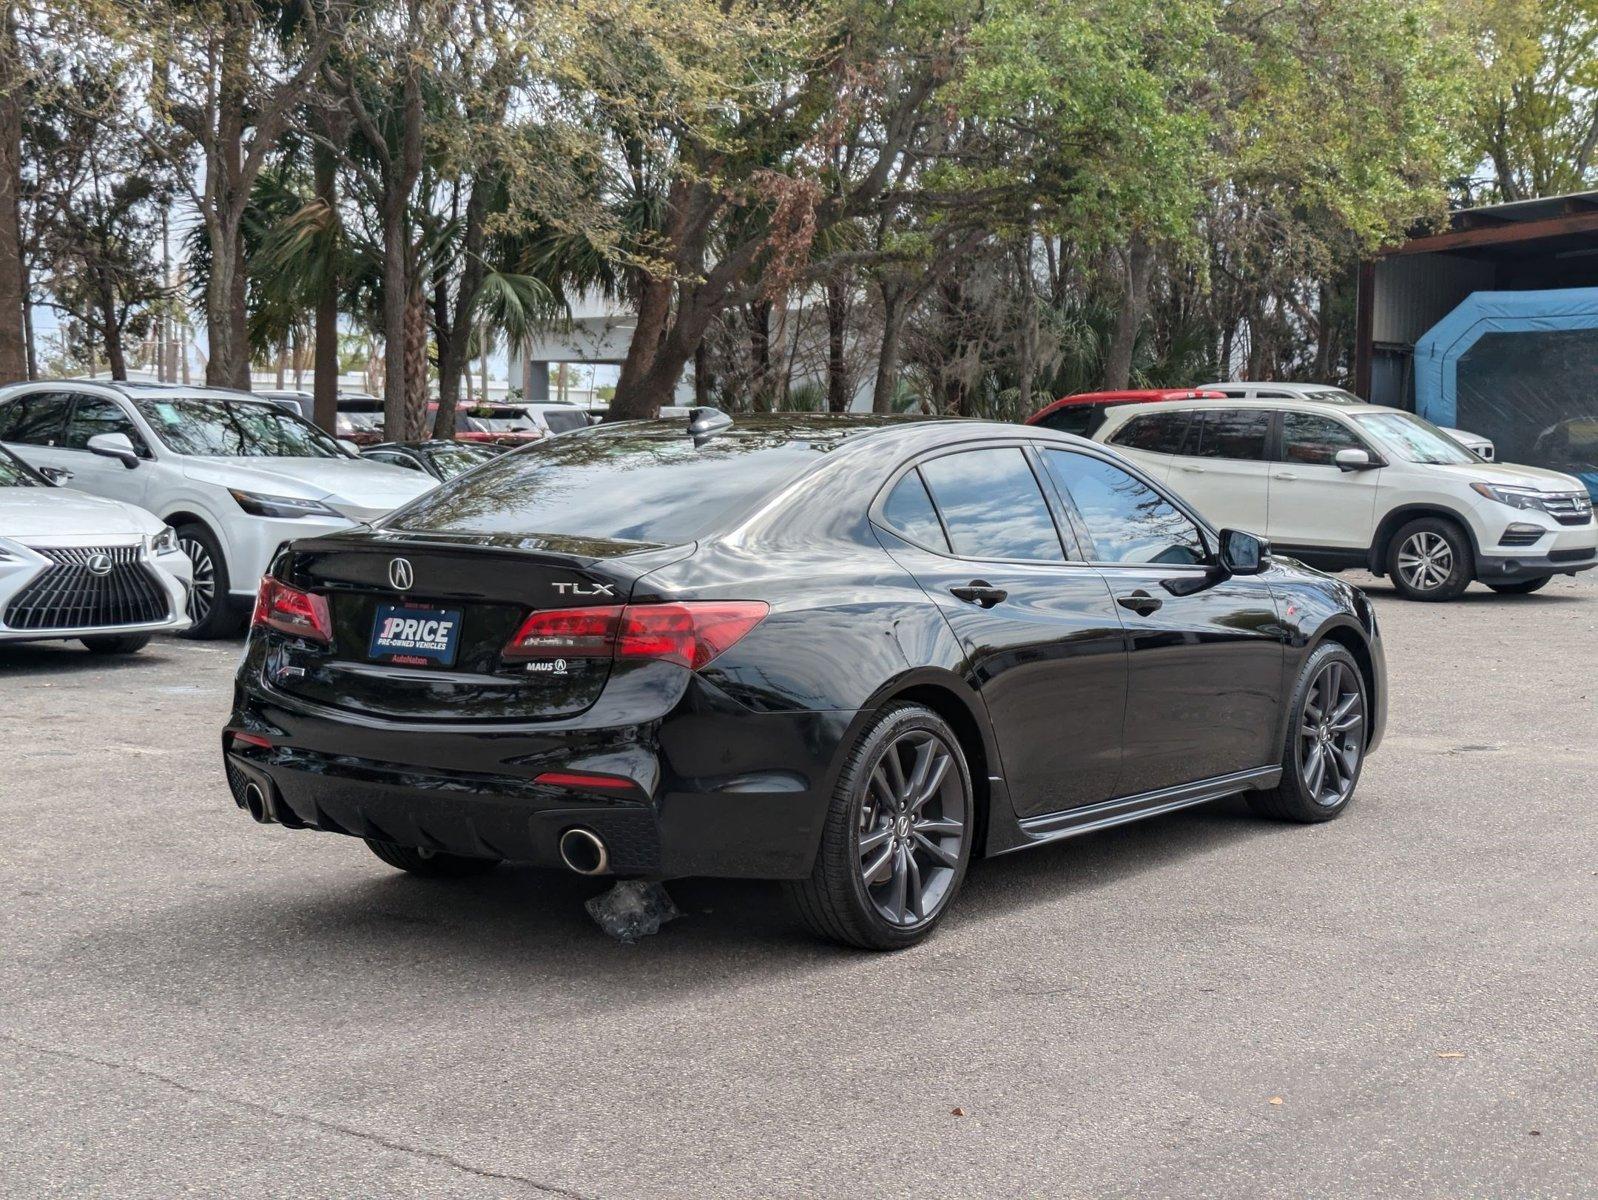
column 760, row 355
column 396, row 291
column 1129, row 319
column 455, row 331
column 1323, row 334
column 1028, row 332
column 13, row 338
column 415, row 366
column 702, row 379
column 638, row 395
column 882, row 392
column 111, row 335
column 226, row 312
column 324, row 371
column 838, row 397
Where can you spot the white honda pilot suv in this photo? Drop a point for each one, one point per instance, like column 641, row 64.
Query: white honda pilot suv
column 1345, row 485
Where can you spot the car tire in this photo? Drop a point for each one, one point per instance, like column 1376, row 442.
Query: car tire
column 1522, row 587
column 210, row 608
column 1430, row 559
column 898, row 835
column 433, row 864
column 1329, row 719
column 128, row 643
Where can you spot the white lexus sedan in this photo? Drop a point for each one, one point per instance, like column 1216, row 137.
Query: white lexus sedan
column 234, row 477
column 73, row 566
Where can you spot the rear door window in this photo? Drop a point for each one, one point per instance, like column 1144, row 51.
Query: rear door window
column 1236, row 433
column 992, row 505
column 1153, row 433
column 36, row 420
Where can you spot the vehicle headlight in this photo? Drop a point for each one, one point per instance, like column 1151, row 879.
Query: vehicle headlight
column 258, row 505
column 165, row 542
column 1515, row 497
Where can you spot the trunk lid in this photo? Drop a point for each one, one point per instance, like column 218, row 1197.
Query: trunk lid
column 482, row 586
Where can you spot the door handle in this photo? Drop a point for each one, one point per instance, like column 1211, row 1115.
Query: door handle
column 1284, row 475
column 1139, row 602
column 979, row 592
column 1192, row 470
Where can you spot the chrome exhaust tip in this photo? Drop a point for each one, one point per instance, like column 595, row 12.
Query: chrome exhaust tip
column 583, row 852
column 257, row 804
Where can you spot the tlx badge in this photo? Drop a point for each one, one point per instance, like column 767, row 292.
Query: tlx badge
column 584, row 589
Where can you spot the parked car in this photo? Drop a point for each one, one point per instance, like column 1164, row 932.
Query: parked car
column 237, row 477
column 104, row 573
column 359, row 420
column 501, row 424
column 1340, row 484
column 1327, row 393
column 439, row 458
column 1083, row 413
column 556, row 417
column 294, row 400
column 829, row 650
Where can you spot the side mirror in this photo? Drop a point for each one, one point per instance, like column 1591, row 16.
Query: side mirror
column 115, row 445
column 1243, row 553
column 56, row 475
column 1354, row 459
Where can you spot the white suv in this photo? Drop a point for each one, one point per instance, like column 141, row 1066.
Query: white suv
column 236, row 477
column 1344, row 485
column 1328, row 393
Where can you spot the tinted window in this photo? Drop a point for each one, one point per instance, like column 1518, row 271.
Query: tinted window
column 908, row 510
column 618, row 484
column 453, row 460
column 34, row 420
column 993, row 507
column 1127, row 520
column 1231, row 433
column 1307, row 438
column 1156, row 433
column 393, row 459
column 1080, row 419
column 93, row 416
column 565, row 422
column 223, row 429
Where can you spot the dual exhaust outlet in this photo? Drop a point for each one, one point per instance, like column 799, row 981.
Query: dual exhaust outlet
column 582, row 850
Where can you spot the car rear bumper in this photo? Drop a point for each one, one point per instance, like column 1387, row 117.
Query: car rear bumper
column 710, row 801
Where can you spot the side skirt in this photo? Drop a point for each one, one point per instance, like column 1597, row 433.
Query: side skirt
column 1053, row 827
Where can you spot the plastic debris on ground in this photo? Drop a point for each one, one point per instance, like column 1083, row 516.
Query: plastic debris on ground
column 632, row 909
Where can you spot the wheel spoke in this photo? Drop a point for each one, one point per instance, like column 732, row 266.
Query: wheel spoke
column 900, row 886
column 1315, row 770
column 939, row 827
column 1349, row 714
column 934, row 780
column 878, row 870
column 919, row 769
column 913, row 891
column 896, row 781
column 943, row 857
column 870, row 841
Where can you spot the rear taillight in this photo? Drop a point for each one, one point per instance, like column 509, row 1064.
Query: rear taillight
column 691, row 633
column 304, row 614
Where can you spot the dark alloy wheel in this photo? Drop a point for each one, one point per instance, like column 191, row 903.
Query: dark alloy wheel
column 1430, row 559
column 1325, row 743
column 898, row 836
column 1523, row 587
column 209, row 608
column 432, row 864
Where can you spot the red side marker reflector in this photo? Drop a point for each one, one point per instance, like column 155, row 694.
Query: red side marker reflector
column 252, row 739
column 586, row 781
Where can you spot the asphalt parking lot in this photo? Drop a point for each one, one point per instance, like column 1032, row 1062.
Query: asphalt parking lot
column 1401, row 1003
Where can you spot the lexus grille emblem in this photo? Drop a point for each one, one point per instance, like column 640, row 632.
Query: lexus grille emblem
column 400, row 575
column 98, row 564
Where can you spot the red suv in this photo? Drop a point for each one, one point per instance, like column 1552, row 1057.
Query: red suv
column 1083, row 413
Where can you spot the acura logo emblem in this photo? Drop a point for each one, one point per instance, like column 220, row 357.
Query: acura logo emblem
column 98, row 564
column 400, row 575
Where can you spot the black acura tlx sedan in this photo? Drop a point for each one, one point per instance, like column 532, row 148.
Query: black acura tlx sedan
column 850, row 653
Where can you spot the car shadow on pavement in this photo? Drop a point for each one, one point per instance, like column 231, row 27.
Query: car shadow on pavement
column 23, row 659
column 319, row 926
column 1478, row 594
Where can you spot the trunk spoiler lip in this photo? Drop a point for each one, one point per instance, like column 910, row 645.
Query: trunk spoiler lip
column 640, row 558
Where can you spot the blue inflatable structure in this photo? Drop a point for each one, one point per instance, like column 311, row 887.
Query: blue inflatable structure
column 1522, row 369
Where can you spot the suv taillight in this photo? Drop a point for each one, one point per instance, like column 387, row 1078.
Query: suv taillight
column 289, row 610
column 691, row 633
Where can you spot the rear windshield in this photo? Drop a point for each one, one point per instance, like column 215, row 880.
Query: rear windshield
column 622, row 485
